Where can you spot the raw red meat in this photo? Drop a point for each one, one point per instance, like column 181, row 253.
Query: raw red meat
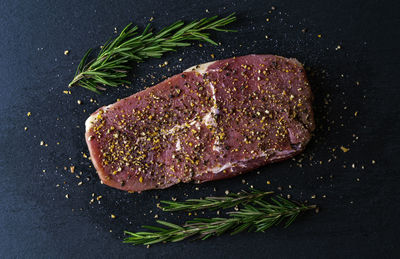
column 213, row 121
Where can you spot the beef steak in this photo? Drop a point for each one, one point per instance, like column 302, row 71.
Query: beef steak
column 213, row 121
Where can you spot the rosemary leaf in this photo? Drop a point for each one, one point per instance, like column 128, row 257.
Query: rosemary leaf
column 229, row 201
column 256, row 215
column 131, row 46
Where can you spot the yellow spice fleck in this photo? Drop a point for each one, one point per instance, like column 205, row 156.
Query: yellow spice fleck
column 344, row 149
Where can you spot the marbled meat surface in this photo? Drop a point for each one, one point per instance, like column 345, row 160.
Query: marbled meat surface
column 213, row 121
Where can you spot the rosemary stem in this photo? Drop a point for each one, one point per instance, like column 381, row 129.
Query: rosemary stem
column 254, row 215
column 76, row 79
column 115, row 58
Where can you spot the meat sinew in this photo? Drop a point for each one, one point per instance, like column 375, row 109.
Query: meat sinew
column 213, row 121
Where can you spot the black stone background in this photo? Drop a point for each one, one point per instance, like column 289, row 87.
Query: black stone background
column 359, row 216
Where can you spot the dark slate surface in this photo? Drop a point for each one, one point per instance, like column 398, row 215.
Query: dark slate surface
column 358, row 217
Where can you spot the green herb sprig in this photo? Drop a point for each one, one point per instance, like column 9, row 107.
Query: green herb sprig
column 229, row 201
column 115, row 58
column 256, row 215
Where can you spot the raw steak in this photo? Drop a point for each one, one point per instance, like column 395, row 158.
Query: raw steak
column 213, row 121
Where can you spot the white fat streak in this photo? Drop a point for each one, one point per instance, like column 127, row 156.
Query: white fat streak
column 218, row 169
column 213, row 94
column 178, row 145
column 182, row 126
column 202, row 68
column 209, row 118
column 242, row 163
column 93, row 118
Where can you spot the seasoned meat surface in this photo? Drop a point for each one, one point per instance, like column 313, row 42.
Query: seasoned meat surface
column 213, row 121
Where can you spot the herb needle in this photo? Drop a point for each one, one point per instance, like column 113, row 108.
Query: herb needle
column 111, row 66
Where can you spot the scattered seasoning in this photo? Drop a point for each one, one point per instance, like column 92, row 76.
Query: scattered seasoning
column 151, row 19
column 41, row 142
column 28, row 114
column 132, row 156
column 338, row 47
column 25, row 128
column 373, row 162
column 227, row 192
column 66, row 52
column 67, row 196
column 79, row 102
column 212, row 55
column 72, row 169
column 313, row 196
column 113, row 216
column 319, row 35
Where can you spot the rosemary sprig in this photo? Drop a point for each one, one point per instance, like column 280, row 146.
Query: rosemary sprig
column 115, row 58
column 257, row 216
column 229, row 201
